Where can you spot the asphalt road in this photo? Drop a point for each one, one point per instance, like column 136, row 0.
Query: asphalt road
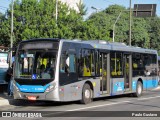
column 117, row 107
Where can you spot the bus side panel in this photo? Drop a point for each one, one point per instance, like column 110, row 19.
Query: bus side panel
column 117, row 86
column 134, row 85
column 73, row 91
column 150, row 82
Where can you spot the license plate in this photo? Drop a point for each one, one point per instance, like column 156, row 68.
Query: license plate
column 31, row 97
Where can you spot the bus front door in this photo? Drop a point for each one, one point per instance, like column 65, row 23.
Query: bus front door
column 104, row 71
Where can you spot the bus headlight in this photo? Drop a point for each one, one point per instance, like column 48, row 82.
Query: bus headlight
column 51, row 87
column 15, row 86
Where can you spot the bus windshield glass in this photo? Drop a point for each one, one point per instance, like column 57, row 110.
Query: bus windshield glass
column 35, row 64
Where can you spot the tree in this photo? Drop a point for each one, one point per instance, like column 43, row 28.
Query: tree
column 101, row 26
column 82, row 8
column 102, row 23
column 4, row 31
column 154, row 31
column 140, row 35
column 36, row 19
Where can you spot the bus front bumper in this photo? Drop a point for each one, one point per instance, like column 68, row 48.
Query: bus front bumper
column 36, row 96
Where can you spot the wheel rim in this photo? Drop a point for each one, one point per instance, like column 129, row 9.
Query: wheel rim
column 87, row 93
column 139, row 89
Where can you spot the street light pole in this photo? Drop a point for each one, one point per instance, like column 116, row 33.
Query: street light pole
column 11, row 39
column 95, row 9
column 130, row 24
column 114, row 25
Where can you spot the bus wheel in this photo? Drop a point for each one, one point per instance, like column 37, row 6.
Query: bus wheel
column 86, row 94
column 139, row 90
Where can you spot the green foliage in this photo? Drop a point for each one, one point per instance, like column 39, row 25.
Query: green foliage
column 4, row 31
column 37, row 19
column 145, row 31
column 140, row 35
column 82, row 8
column 154, row 32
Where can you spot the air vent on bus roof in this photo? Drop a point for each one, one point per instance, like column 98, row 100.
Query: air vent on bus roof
column 97, row 41
column 117, row 43
column 77, row 40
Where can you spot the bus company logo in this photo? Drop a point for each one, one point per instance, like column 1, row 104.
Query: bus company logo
column 6, row 114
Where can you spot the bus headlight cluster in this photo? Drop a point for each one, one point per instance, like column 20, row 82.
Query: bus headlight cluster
column 15, row 86
column 51, row 87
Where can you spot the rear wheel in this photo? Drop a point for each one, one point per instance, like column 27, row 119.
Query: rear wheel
column 139, row 89
column 86, row 94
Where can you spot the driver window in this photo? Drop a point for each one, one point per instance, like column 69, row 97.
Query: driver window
column 68, row 63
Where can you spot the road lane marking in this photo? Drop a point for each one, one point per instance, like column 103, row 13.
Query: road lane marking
column 112, row 104
column 109, row 104
column 148, row 98
column 157, row 88
column 98, row 106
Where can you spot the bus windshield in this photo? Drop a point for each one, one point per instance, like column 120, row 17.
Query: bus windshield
column 35, row 64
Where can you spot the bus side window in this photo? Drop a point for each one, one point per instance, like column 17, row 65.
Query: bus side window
column 72, row 63
column 68, row 63
column 116, row 64
column 86, row 63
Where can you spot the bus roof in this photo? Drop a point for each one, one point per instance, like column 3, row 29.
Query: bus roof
column 115, row 46
column 41, row 39
column 100, row 44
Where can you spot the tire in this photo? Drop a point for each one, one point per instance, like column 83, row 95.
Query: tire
column 139, row 90
column 86, row 94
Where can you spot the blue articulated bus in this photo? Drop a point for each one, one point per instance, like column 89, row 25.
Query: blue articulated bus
column 71, row 70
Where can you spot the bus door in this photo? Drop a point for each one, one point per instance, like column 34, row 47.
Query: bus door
column 104, row 72
column 68, row 75
column 127, row 72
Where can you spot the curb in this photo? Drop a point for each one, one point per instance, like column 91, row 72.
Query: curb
column 5, row 102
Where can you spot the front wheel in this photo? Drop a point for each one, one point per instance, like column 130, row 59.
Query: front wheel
column 139, row 89
column 86, row 94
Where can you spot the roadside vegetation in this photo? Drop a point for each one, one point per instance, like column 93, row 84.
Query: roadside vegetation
column 36, row 19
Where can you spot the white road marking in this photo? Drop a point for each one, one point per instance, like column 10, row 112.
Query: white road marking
column 111, row 104
column 157, row 88
column 98, row 106
column 148, row 98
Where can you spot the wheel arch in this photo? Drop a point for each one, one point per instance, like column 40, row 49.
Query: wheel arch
column 91, row 86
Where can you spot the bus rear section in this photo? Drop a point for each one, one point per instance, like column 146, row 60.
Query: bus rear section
column 3, row 67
